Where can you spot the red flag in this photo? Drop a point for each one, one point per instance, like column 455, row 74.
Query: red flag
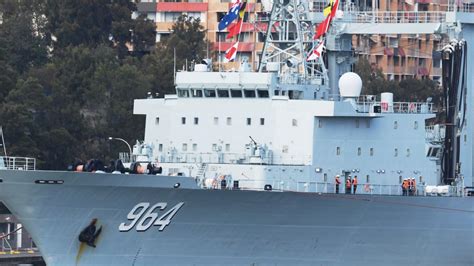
column 334, row 8
column 234, row 29
column 231, row 52
column 322, row 27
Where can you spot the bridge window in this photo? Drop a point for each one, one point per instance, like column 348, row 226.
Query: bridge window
column 216, row 120
column 395, row 125
column 195, row 146
column 227, row 147
column 249, row 121
column 185, row 147
column 338, row 151
column 408, row 152
column 196, row 93
column 359, row 151
column 160, row 147
column 196, row 120
column 183, row 120
column 325, row 177
column 223, row 93
column 371, row 152
column 157, row 120
column 367, row 179
column 229, row 121
column 262, row 93
column 210, row 93
column 415, row 125
column 395, row 152
column 249, row 93
column 262, row 121
column 236, row 93
column 183, row 93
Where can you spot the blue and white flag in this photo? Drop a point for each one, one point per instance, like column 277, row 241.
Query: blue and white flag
column 230, row 16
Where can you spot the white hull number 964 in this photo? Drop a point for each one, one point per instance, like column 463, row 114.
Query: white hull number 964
column 144, row 216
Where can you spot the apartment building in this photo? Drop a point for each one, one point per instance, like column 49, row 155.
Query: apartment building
column 399, row 56
column 210, row 12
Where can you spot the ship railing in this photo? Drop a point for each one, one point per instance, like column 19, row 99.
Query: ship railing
column 436, row 133
column 17, row 163
column 366, row 189
column 364, row 106
column 393, row 17
column 466, row 6
column 234, row 158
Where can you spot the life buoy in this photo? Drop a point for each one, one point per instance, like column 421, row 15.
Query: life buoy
column 367, row 188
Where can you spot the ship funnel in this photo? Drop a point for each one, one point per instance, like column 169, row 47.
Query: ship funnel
column 350, row 85
column 386, row 102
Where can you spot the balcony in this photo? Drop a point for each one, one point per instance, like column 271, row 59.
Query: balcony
column 243, row 46
column 181, row 7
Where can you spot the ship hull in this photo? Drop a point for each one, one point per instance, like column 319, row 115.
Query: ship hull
column 234, row 227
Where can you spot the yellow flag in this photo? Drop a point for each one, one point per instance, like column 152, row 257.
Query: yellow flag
column 327, row 9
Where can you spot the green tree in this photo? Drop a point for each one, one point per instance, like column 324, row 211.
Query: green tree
column 22, row 34
column 187, row 42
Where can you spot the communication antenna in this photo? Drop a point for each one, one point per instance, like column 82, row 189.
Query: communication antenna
column 3, row 142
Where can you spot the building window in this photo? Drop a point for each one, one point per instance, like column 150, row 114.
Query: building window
column 395, row 125
column 357, row 123
column 249, row 121
column 160, row 147
column 294, row 122
column 262, row 121
column 185, row 147
column 408, row 152
column 227, row 147
column 183, row 120
column 338, row 151
column 229, row 121
column 236, row 93
column 196, row 120
column 395, row 152
column 415, row 125
column 367, row 179
column 157, row 120
column 195, row 146
column 371, row 151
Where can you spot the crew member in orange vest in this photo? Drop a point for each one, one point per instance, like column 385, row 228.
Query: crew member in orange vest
column 413, row 181
column 348, row 186
column 338, row 182
column 405, row 187
column 354, row 183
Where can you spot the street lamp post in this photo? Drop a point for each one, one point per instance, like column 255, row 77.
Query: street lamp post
column 128, row 145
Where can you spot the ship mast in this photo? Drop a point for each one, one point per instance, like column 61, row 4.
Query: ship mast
column 288, row 39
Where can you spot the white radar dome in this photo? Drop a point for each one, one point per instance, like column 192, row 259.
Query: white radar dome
column 350, row 85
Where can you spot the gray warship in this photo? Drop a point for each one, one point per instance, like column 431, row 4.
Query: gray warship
column 248, row 162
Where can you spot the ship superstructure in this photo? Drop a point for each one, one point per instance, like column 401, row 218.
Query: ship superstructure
column 294, row 125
